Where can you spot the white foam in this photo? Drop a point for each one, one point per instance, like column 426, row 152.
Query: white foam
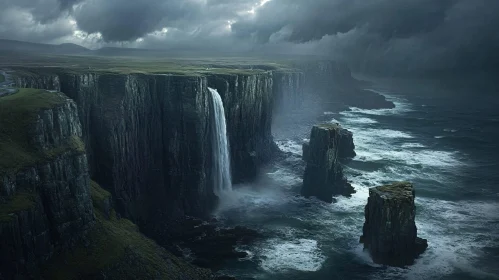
column 285, row 177
column 450, row 228
column 412, row 145
column 301, row 254
column 290, row 146
column 357, row 120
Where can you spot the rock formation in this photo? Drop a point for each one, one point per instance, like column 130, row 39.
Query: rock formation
column 323, row 176
column 48, row 209
column 390, row 233
column 45, row 202
column 248, row 102
column 347, row 147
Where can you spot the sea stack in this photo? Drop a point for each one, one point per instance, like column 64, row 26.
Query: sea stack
column 324, row 174
column 347, row 147
column 390, row 233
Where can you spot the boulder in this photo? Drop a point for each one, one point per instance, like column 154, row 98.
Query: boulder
column 390, row 233
column 323, row 176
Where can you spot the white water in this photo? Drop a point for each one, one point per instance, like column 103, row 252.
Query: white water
column 220, row 146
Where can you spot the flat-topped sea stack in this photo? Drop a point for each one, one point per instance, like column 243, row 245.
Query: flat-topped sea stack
column 324, row 174
column 390, row 232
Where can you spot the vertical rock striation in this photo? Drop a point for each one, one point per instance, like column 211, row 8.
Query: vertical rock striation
column 248, row 104
column 323, row 176
column 148, row 141
column 390, row 232
column 287, row 90
column 347, row 147
column 45, row 202
column 148, row 136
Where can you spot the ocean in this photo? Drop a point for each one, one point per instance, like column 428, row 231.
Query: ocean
column 441, row 138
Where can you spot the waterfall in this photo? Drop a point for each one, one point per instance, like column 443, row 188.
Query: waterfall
column 220, row 145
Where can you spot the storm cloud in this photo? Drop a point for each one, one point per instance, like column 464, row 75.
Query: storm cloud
column 401, row 35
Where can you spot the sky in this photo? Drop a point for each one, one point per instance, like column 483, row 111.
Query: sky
column 398, row 34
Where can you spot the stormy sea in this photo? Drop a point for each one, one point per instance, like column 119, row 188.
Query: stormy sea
column 441, row 138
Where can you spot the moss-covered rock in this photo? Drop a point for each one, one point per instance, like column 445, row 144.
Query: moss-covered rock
column 115, row 249
column 22, row 119
column 390, row 233
column 45, row 201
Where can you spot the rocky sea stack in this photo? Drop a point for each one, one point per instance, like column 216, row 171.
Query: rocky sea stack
column 324, row 174
column 390, row 232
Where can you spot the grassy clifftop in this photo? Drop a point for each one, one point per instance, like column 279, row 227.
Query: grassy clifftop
column 116, row 249
column 18, row 113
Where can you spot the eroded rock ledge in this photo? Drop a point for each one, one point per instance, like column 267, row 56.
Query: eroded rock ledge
column 323, row 176
column 390, row 233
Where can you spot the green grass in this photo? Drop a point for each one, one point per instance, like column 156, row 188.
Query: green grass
column 16, row 203
column 2, row 78
column 328, row 126
column 99, row 196
column 396, row 189
column 118, row 250
column 18, row 112
column 52, row 64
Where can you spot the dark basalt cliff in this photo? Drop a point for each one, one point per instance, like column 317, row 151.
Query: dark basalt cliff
column 323, row 176
column 248, row 102
column 45, row 203
column 288, row 90
column 53, row 225
column 347, row 146
column 390, row 232
column 148, row 136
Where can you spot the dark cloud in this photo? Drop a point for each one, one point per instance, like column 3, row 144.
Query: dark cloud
column 405, row 35
column 397, row 35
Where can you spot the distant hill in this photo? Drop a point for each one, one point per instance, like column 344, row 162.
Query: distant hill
column 27, row 47
column 114, row 51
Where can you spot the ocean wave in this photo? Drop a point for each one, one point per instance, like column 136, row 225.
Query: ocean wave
column 282, row 255
column 290, row 146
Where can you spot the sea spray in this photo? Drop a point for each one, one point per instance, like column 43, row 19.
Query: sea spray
column 220, row 145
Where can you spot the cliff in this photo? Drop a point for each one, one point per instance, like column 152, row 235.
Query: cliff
column 147, row 139
column 346, row 144
column 115, row 249
column 45, row 203
column 390, row 232
column 248, row 102
column 54, row 222
column 287, row 90
column 323, row 176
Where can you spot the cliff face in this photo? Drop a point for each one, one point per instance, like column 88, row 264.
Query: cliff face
column 248, row 105
column 148, row 140
column 324, row 76
column 287, row 90
column 148, row 136
column 45, row 201
column 323, row 176
column 390, row 232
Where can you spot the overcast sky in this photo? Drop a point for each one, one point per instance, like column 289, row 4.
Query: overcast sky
column 406, row 34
